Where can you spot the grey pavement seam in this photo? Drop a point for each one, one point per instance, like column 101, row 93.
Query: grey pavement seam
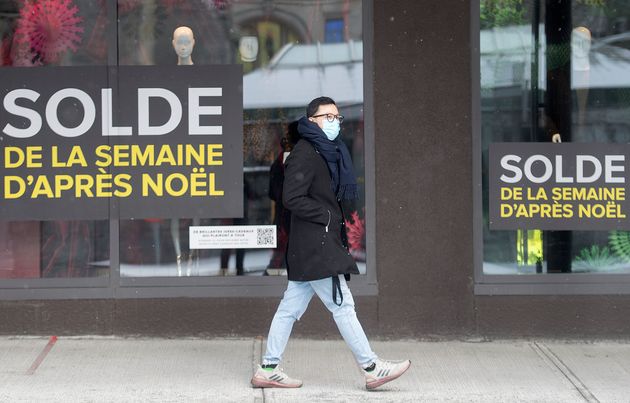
column 577, row 383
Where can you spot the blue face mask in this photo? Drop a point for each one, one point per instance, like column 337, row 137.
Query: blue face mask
column 331, row 129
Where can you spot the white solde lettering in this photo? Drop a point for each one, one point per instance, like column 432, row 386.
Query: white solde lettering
column 612, row 167
column 15, row 100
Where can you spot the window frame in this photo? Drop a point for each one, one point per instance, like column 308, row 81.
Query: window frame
column 513, row 284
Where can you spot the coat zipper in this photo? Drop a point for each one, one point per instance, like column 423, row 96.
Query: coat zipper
column 328, row 220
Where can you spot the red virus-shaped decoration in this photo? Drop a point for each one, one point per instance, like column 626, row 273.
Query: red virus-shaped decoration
column 49, row 28
column 356, row 234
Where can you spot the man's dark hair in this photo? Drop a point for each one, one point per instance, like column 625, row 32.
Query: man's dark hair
column 312, row 107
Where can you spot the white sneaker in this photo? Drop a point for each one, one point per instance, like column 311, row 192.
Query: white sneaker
column 274, row 379
column 385, row 371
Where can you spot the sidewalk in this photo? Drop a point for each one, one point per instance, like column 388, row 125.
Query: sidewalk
column 107, row 369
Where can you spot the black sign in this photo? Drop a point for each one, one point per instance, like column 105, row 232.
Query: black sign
column 569, row 186
column 154, row 141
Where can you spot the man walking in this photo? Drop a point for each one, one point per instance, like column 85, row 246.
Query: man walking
column 318, row 176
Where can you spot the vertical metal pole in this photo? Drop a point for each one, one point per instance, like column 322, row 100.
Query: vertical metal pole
column 112, row 80
column 535, row 100
column 558, row 26
column 534, row 70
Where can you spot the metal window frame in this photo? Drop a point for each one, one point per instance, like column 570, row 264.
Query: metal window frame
column 117, row 287
column 530, row 284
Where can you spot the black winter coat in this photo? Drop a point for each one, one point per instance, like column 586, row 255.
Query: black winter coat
column 317, row 248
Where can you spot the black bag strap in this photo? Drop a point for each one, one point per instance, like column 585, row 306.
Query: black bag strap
column 337, row 287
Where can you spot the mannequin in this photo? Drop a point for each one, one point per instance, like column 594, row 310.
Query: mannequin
column 581, row 66
column 580, row 49
column 248, row 48
column 183, row 44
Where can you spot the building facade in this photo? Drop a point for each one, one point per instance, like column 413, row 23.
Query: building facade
column 425, row 87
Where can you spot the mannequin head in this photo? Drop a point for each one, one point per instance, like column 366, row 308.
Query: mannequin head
column 581, row 41
column 183, row 44
column 580, row 48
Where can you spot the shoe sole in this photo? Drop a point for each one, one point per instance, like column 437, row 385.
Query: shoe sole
column 382, row 381
column 259, row 383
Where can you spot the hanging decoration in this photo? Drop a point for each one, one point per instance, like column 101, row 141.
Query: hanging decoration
column 49, row 28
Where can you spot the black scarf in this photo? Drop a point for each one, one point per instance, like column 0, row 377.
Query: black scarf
column 337, row 157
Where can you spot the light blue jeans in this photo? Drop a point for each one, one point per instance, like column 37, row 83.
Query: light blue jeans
column 294, row 304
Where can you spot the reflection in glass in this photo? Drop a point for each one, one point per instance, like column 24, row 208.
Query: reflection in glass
column 53, row 249
column 282, row 47
column 554, row 71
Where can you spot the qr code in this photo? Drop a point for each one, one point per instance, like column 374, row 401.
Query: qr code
column 266, row 237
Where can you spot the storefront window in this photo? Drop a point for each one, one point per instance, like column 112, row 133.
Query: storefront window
column 286, row 62
column 553, row 71
column 37, row 34
column 289, row 51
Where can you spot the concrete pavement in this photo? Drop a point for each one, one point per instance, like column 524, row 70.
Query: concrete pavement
column 106, row 369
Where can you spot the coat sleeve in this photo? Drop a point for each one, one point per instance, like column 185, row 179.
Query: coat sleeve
column 298, row 177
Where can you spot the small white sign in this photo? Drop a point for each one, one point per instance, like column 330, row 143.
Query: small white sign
column 232, row 237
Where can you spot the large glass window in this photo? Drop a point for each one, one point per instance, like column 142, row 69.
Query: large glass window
column 286, row 60
column 282, row 48
column 554, row 71
column 36, row 34
column 290, row 51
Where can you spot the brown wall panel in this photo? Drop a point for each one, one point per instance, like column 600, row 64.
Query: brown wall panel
column 56, row 317
column 572, row 317
column 172, row 317
column 423, row 165
column 247, row 317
